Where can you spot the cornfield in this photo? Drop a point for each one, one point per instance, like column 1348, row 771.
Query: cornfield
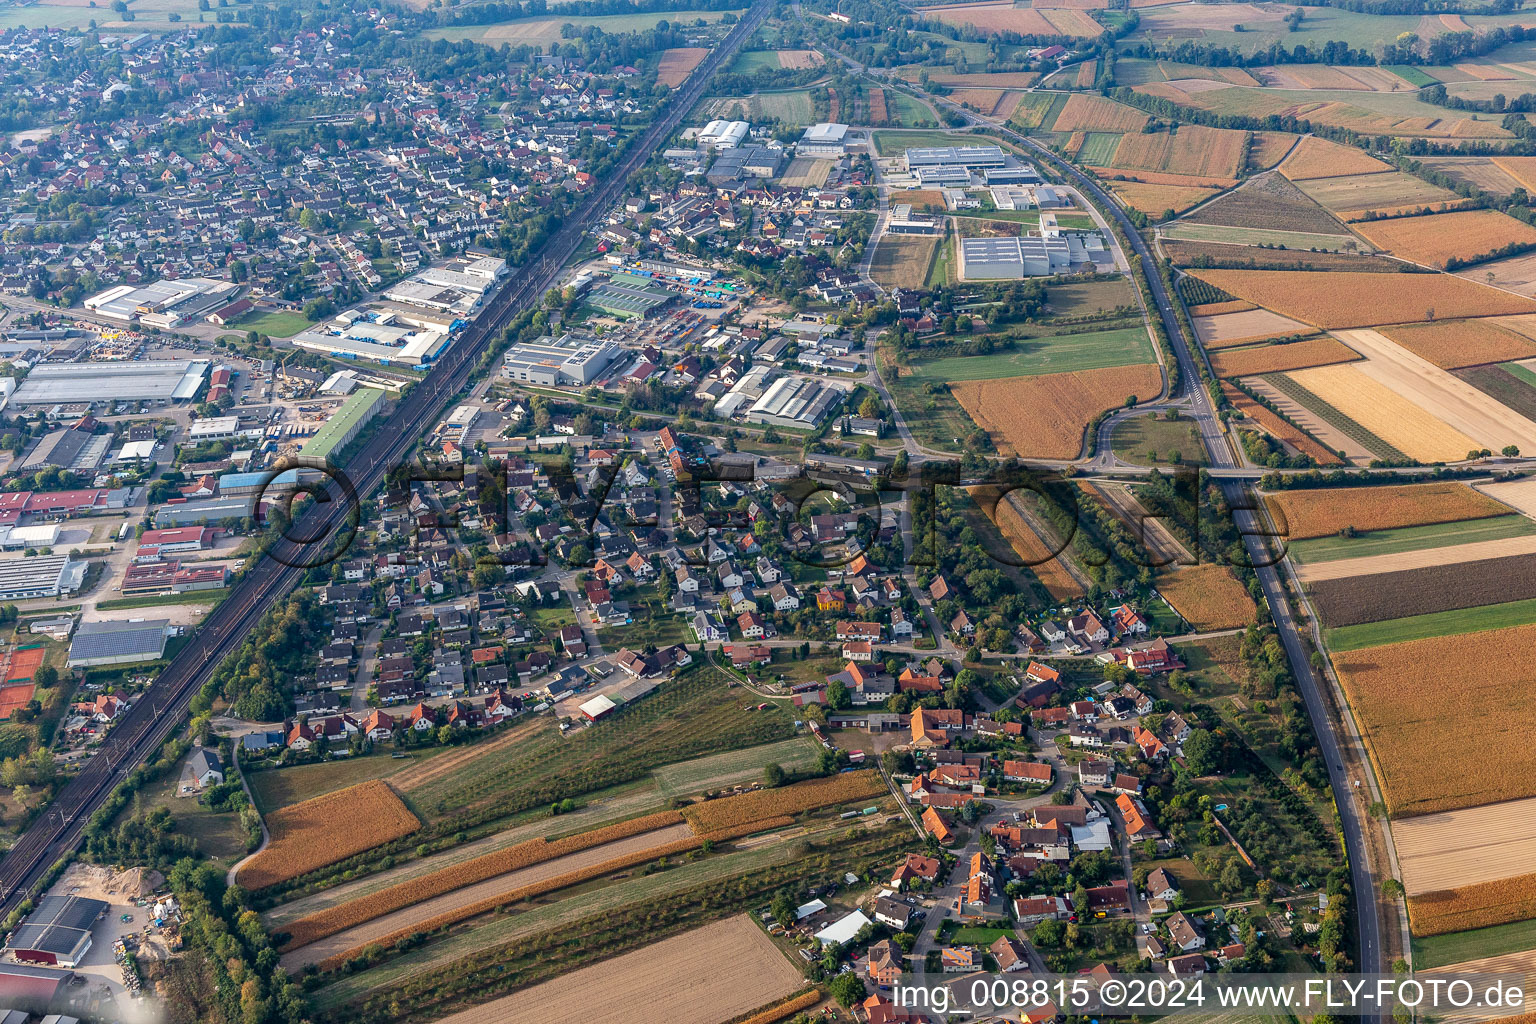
column 1208, row 596
column 1473, row 906
column 778, row 1011
column 1354, row 299
column 1218, row 308
column 789, row 800
column 1319, row 158
column 321, row 924
column 1256, row 360
column 1045, row 416
column 1323, row 513
column 548, row 885
column 1439, row 238
column 327, row 829
column 1452, row 344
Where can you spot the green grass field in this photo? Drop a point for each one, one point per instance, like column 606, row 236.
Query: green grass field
column 1417, row 627
column 1034, row 356
column 1254, row 236
column 1522, row 371
column 735, row 767
column 1459, row 947
column 1410, row 538
column 1099, row 149
column 208, row 597
column 891, row 143
column 908, row 110
column 1085, row 298
column 274, row 325
column 219, row 837
column 792, row 107
column 1035, row 109
column 1411, row 74
column 542, row 31
column 749, row 61
column 1137, row 440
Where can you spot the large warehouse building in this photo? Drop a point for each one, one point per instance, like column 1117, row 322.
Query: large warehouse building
column 955, row 156
column 559, row 361
column 164, row 304
column 795, row 402
column 345, row 423
column 41, row 576
column 58, row 932
column 150, row 380
column 1009, row 259
column 118, row 642
column 381, row 337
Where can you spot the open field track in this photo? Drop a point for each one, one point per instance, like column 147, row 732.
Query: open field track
column 1465, row 847
column 416, row 913
column 1443, row 394
column 1326, row 511
column 660, row 984
column 1046, row 416
column 1343, row 300
column 736, row 767
column 1423, row 558
column 1372, row 543
column 1402, row 693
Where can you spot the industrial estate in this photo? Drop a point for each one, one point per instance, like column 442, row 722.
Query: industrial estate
column 616, row 510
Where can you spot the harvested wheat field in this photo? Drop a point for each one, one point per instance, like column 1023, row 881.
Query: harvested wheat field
column 1266, row 149
column 1045, row 416
column 660, row 984
column 327, row 829
column 1278, row 427
column 1193, row 150
column 1519, row 495
column 1040, row 558
column 1449, row 398
column 404, row 914
column 1424, row 558
column 1072, row 23
column 1523, row 962
column 1242, row 324
column 1345, row 299
column 902, row 261
column 1465, row 847
column 1324, row 512
column 1318, row 158
column 1438, row 238
column 1207, row 596
column 1521, row 168
column 1087, row 113
column 983, row 101
column 1452, row 344
column 797, row 59
column 1513, row 273
column 1261, row 359
column 1118, row 174
column 1408, row 427
column 1155, row 200
column 1473, row 906
column 424, row 772
column 1404, row 693
column 678, row 63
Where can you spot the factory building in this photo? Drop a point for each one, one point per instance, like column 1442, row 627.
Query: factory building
column 58, row 932
column 743, row 163
column 164, row 304
column 720, row 134
column 1009, row 259
column 148, row 380
column 629, row 297
column 824, row 141
column 42, row 576
column 1019, row 174
column 345, row 423
column 943, row 175
column 795, row 402
column 905, row 222
column 557, row 362
column 117, row 642
column 955, row 156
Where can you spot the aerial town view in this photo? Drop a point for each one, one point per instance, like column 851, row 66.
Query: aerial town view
column 767, row 511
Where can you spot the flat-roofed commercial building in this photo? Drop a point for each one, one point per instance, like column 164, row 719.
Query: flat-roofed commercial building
column 58, row 932
column 629, row 297
column 559, row 361
column 955, row 156
column 377, row 337
column 1009, row 259
column 905, row 222
column 795, row 402
column 117, row 642
column 824, row 141
column 941, row 176
column 164, row 304
column 345, row 423
column 148, row 380
column 40, row 576
column 208, row 512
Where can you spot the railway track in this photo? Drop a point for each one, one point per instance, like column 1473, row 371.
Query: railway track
column 162, row 707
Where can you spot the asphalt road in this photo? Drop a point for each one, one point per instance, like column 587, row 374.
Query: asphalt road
column 161, row 709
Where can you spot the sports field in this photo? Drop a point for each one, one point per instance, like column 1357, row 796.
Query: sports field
column 1058, row 354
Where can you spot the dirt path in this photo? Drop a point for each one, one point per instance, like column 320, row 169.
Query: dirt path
column 663, row 983
column 380, row 927
column 1343, row 568
column 1456, row 848
column 1440, row 392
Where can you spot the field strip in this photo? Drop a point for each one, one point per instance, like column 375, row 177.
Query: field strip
column 716, row 771
column 1423, row 558
column 1441, row 393
column 593, row 816
column 1507, row 963
column 1518, row 494
column 664, row 983
column 427, row 909
column 1456, row 848
column 420, row 774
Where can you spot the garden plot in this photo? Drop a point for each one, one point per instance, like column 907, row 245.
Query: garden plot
column 1465, row 847
column 667, row 982
column 1442, row 394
